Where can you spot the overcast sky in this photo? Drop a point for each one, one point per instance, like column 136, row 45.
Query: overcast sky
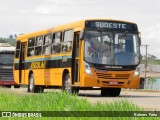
column 23, row 16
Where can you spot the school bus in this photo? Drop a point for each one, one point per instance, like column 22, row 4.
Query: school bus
column 88, row 54
column 6, row 65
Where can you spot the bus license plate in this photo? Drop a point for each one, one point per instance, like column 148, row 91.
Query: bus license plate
column 113, row 83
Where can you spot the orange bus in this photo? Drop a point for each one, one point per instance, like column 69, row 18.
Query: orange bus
column 88, row 54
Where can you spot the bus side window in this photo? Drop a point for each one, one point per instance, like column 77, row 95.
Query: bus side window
column 66, row 47
column 38, row 46
column 56, row 46
column 67, row 43
column 47, row 44
column 30, row 51
column 17, row 49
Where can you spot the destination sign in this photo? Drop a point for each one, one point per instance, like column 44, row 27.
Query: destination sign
column 111, row 25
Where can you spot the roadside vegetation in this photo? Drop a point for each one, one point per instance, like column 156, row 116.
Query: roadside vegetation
column 60, row 101
column 151, row 61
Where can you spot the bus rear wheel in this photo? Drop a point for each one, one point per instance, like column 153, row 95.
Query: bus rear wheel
column 31, row 86
column 110, row 92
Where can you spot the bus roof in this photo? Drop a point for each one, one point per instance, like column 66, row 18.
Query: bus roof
column 7, row 49
column 4, row 44
column 80, row 23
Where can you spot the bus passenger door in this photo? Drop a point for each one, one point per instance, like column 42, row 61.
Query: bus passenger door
column 21, row 63
column 76, row 59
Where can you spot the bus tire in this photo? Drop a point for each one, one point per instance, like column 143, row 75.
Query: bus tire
column 31, row 86
column 67, row 83
column 110, row 92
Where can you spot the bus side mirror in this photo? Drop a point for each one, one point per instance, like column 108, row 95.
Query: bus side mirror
column 81, row 35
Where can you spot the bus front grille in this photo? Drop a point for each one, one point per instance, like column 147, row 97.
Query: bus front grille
column 6, row 74
column 112, row 76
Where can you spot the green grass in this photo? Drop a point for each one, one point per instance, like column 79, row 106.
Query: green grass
column 60, row 101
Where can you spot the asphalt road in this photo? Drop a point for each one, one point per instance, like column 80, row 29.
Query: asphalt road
column 147, row 100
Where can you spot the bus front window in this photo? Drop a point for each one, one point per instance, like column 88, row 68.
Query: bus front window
column 111, row 49
column 6, row 59
column 99, row 47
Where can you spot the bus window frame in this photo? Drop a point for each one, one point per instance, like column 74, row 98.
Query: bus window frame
column 38, row 46
column 50, row 44
column 18, row 49
column 57, row 43
column 28, row 47
column 71, row 41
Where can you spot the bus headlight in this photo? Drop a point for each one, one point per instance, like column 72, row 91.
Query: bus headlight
column 87, row 68
column 137, row 72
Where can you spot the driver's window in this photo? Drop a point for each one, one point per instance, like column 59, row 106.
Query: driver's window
column 129, row 45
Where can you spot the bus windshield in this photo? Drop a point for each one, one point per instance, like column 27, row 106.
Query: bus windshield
column 111, row 48
column 6, row 59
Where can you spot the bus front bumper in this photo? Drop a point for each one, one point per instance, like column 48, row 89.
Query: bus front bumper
column 112, row 82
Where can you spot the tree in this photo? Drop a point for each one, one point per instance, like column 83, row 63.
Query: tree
column 11, row 37
column 15, row 36
column 152, row 80
column 152, row 57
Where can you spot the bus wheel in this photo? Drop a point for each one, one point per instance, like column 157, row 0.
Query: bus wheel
column 67, row 83
column 110, row 92
column 31, row 87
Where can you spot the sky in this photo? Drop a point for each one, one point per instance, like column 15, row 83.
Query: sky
column 25, row 16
